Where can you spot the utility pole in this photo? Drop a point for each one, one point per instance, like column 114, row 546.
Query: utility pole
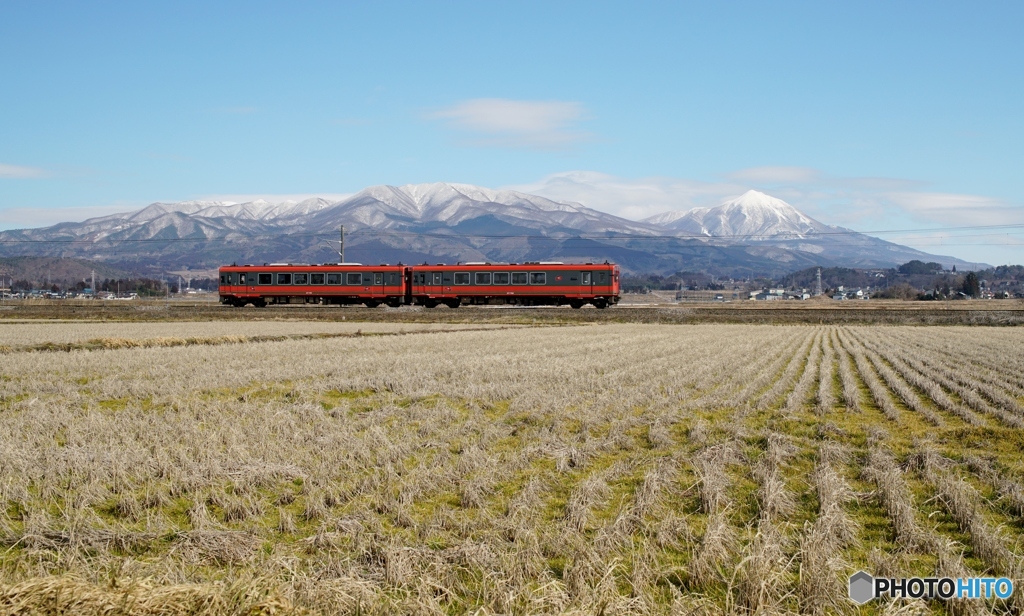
column 94, row 283
column 341, row 244
column 817, row 288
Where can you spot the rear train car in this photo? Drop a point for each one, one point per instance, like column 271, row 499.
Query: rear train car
column 284, row 283
column 525, row 284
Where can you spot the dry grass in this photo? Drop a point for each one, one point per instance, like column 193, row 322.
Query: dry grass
column 35, row 333
column 641, row 469
column 70, row 596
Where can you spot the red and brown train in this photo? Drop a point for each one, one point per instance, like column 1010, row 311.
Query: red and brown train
column 542, row 283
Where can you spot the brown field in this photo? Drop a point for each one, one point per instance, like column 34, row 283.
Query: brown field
column 274, row 466
column 72, row 335
column 633, row 309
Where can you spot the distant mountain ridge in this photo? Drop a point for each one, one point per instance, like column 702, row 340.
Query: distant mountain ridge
column 754, row 234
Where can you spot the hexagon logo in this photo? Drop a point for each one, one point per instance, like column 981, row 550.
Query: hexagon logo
column 862, row 587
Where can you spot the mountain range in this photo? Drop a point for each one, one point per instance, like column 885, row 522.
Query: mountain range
column 754, row 234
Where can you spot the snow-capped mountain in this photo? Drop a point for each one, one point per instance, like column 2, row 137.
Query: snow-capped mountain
column 751, row 216
column 764, row 225
column 752, row 234
column 379, row 207
column 390, row 207
column 252, row 210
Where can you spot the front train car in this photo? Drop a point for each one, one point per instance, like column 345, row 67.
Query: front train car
column 536, row 283
column 330, row 283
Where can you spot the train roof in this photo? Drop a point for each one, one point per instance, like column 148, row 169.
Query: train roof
column 524, row 265
column 295, row 265
column 468, row 264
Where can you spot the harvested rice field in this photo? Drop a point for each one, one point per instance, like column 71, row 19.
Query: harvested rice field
column 382, row 468
column 36, row 335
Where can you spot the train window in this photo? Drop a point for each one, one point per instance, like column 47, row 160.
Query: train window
column 302, row 278
column 241, row 279
column 334, row 278
column 284, row 279
column 378, row 278
column 461, row 277
column 392, row 279
column 437, row 277
column 367, row 279
column 223, row 279
column 265, row 278
column 354, row 278
column 519, row 277
column 420, row 278
column 600, row 277
column 586, row 278
column 483, row 278
column 538, row 278
column 500, row 277
column 316, row 279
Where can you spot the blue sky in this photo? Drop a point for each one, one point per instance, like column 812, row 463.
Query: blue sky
column 877, row 116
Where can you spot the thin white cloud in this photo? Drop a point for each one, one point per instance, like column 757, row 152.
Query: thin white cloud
column 775, row 175
column 956, row 208
column 500, row 122
column 32, row 217
column 19, row 172
column 272, row 197
column 634, row 199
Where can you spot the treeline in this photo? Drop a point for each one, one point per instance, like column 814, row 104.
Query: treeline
column 948, row 287
column 917, row 280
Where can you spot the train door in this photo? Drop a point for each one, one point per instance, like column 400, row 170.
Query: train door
column 586, row 284
column 419, row 282
column 434, row 284
column 248, row 282
column 377, row 284
column 392, row 282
